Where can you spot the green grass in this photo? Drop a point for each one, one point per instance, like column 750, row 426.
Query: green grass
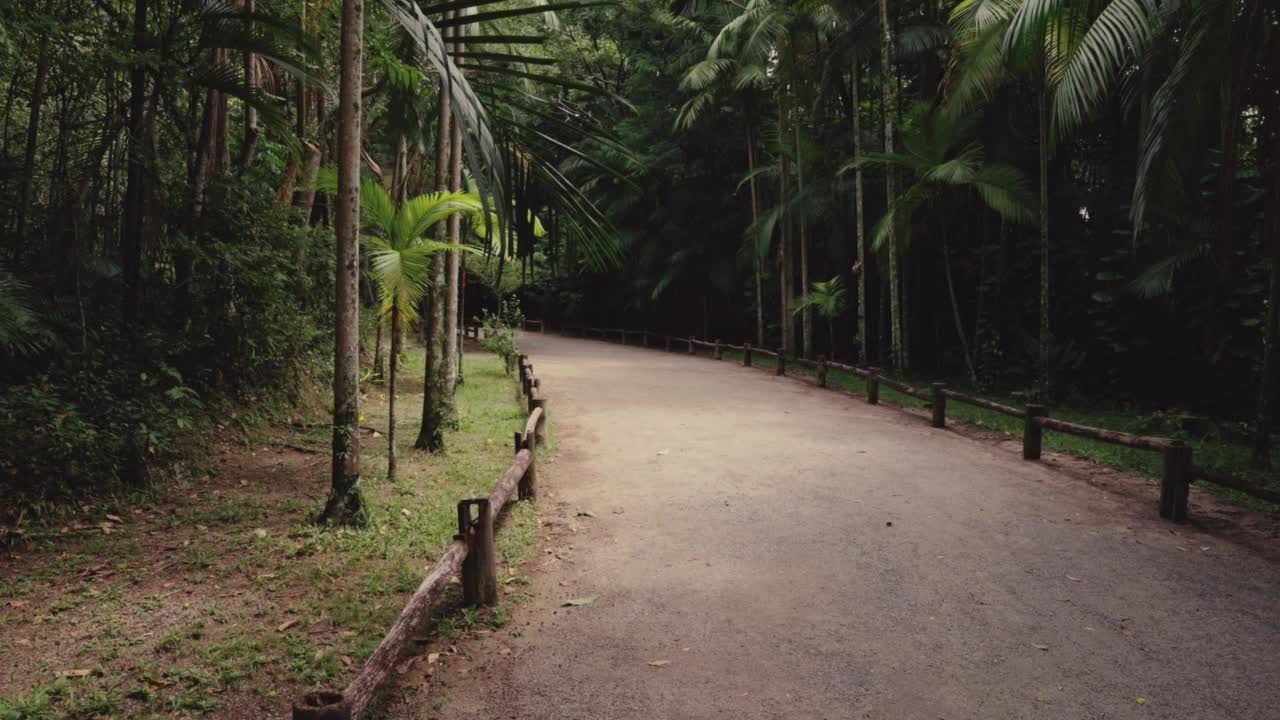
column 1207, row 452
column 333, row 591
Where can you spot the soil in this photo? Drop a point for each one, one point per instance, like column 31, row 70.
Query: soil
column 760, row 548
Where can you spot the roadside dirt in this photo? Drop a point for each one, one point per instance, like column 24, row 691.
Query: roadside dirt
column 760, row 548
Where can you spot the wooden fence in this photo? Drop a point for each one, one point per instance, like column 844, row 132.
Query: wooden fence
column 1177, row 472
column 471, row 553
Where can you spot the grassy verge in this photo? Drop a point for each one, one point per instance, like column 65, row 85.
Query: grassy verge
column 1208, row 452
column 221, row 599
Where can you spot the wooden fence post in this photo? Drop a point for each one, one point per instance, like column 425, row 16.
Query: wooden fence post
column 322, row 705
column 623, row 334
column 781, row 367
column 523, row 372
column 479, row 570
column 668, row 343
column 528, row 486
column 644, row 338
column 746, row 355
column 822, row 371
column 541, row 427
column 690, row 344
column 1175, row 484
column 716, row 351
column 873, row 386
column 535, row 387
column 1031, row 432
column 939, row 418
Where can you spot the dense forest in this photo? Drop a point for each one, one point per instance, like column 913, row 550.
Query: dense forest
column 1073, row 200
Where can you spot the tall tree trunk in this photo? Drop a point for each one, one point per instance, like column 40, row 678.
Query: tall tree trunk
column 889, row 87
column 434, row 408
column 251, row 130
column 346, row 502
column 391, row 390
column 755, row 215
column 33, row 126
column 955, row 311
column 857, row 212
column 784, row 261
column 135, row 190
column 806, row 315
column 1046, row 338
column 784, row 250
column 379, row 362
column 453, row 267
column 462, row 299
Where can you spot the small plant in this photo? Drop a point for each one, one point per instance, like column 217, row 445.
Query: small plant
column 500, row 332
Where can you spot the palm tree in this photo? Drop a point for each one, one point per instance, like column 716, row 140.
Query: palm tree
column 828, row 298
column 403, row 262
column 942, row 161
column 1070, row 51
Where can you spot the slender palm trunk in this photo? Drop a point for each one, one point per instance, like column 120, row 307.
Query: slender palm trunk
column 755, row 257
column 391, row 390
column 434, row 400
column 135, row 190
column 784, row 261
column 33, row 130
column 955, row 312
column 379, row 362
column 857, row 213
column 806, row 315
column 452, row 259
column 346, row 503
column 889, row 88
column 251, row 130
column 1046, row 338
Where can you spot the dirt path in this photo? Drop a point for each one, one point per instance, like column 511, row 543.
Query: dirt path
column 795, row 553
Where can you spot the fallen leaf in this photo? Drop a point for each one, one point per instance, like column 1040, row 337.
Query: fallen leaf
column 432, row 658
column 405, row 512
column 1205, row 548
column 17, row 603
column 403, row 667
column 684, row 649
column 346, row 660
column 578, row 602
column 1142, row 701
column 286, row 625
column 1040, row 647
column 114, row 519
column 260, row 533
column 1073, row 578
column 82, row 672
column 663, row 452
column 585, row 513
column 658, row 663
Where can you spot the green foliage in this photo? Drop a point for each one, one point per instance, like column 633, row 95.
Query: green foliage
column 86, row 413
column 500, row 332
column 826, row 296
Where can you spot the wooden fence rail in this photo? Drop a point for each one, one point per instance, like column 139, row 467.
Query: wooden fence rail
column 1177, row 473
column 471, row 555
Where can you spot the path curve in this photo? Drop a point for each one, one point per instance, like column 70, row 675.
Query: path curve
column 795, row 553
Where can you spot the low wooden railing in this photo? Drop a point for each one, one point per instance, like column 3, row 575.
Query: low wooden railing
column 471, row 554
column 1177, row 473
